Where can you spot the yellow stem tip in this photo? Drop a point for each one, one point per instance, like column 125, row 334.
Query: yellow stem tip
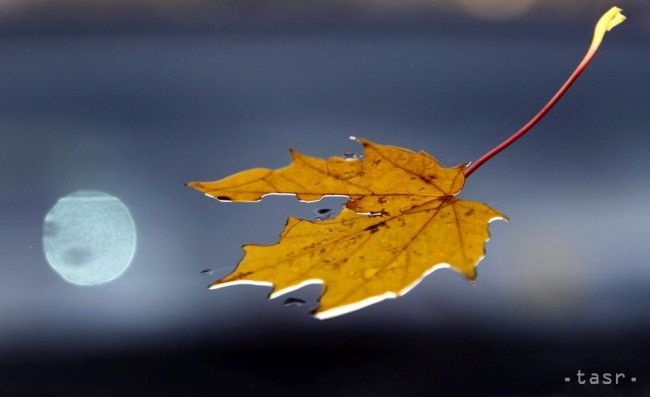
column 606, row 23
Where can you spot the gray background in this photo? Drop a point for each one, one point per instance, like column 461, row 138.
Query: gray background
column 137, row 101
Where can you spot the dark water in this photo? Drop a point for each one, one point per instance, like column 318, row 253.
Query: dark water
column 564, row 285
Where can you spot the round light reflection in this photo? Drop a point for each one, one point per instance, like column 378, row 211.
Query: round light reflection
column 89, row 238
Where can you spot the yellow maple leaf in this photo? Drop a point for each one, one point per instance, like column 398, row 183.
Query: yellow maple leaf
column 417, row 226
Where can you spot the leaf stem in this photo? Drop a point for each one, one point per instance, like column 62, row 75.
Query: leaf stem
column 610, row 19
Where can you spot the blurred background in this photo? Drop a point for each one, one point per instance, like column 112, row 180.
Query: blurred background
column 133, row 98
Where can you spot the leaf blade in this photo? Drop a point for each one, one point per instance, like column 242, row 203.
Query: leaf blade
column 364, row 259
column 384, row 171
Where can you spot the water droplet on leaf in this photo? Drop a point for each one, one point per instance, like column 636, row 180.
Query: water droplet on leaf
column 370, row 273
column 351, row 156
